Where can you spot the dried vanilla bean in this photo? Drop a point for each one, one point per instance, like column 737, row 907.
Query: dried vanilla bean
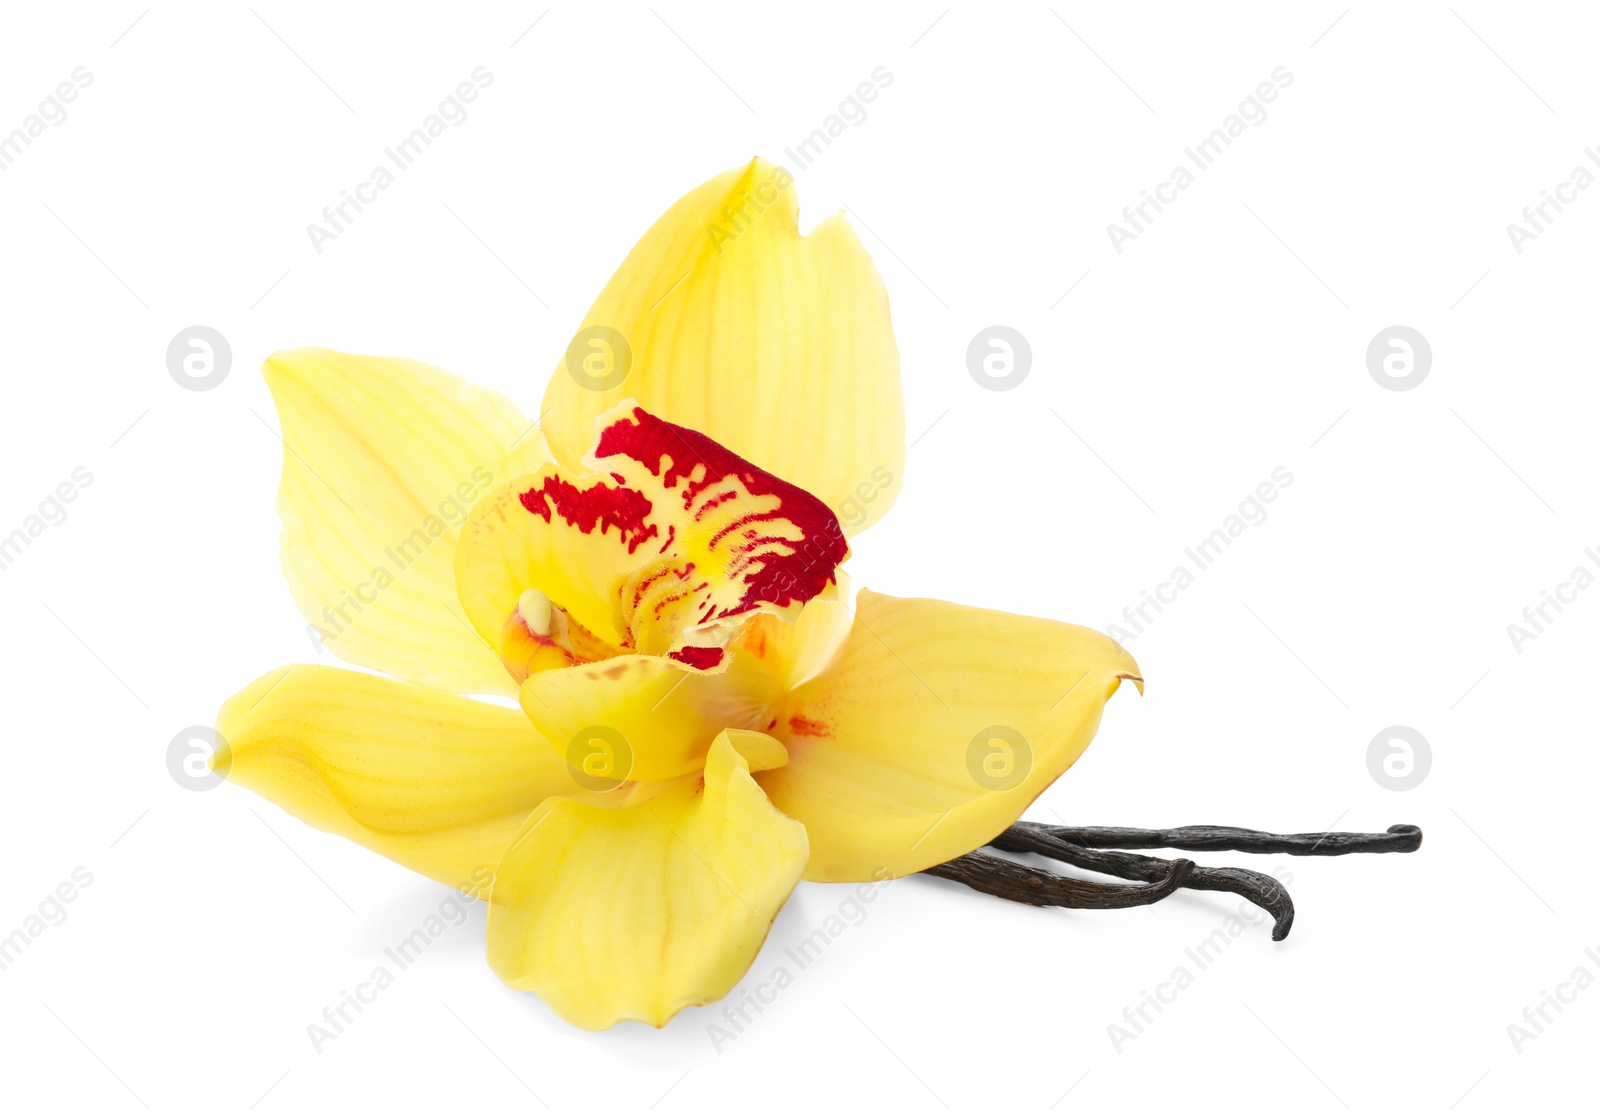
column 1079, row 846
column 1402, row 838
column 1013, row 881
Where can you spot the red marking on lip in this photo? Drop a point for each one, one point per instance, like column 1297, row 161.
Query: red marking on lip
column 599, row 506
column 733, row 526
column 810, row 727
column 753, row 541
column 796, row 570
column 710, row 503
column 697, row 657
column 666, row 600
column 681, row 573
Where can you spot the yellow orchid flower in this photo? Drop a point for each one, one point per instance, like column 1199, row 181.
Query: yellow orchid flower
column 653, row 571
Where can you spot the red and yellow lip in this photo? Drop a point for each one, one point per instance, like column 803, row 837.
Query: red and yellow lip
column 665, row 547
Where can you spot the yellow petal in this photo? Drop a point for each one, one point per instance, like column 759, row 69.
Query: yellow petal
column 634, row 913
column 795, row 651
column 933, row 729
column 644, row 718
column 668, row 543
column 768, row 342
column 382, row 461
column 760, row 751
column 436, row 782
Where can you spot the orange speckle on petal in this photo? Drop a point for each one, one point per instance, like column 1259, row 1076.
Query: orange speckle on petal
column 810, row 727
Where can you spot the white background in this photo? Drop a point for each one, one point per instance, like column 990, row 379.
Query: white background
column 1227, row 340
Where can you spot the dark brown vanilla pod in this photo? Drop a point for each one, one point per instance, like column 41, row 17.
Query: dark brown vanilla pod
column 1080, row 847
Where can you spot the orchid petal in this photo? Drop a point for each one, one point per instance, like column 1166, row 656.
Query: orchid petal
column 439, row 783
column 382, row 460
column 932, row 730
column 726, row 320
column 635, row 913
column 644, row 718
